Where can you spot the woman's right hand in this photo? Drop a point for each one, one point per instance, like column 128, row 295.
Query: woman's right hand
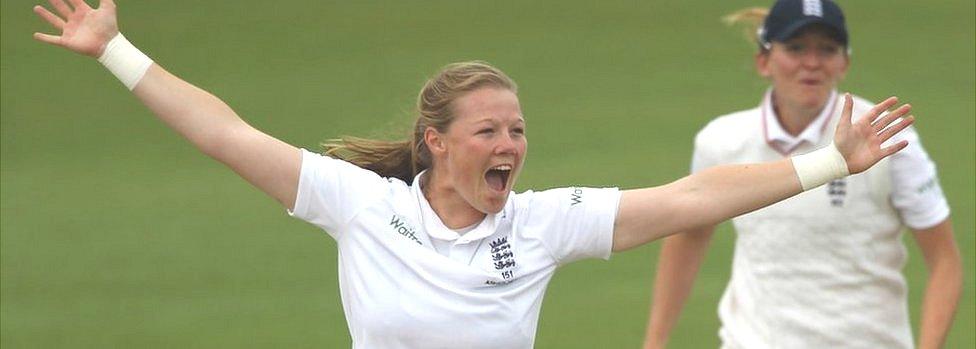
column 84, row 30
column 860, row 142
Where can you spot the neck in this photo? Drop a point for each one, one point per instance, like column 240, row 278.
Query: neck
column 794, row 118
column 447, row 203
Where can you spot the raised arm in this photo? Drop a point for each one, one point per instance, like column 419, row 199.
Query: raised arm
column 711, row 196
column 268, row 163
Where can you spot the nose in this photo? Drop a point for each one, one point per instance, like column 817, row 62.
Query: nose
column 506, row 144
column 811, row 59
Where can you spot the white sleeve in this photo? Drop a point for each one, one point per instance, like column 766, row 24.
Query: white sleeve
column 574, row 223
column 916, row 193
column 703, row 156
column 331, row 192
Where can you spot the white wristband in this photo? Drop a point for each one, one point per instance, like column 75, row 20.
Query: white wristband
column 125, row 61
column 820, row 166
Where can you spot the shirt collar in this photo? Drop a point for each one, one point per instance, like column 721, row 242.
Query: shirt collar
column 435, row 227
column 782, row 141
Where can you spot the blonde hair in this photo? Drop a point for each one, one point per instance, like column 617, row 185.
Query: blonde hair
column 406, row 158
column 751, row 19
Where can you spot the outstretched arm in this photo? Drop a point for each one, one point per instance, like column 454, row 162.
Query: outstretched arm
column 268, row 163
column 711, row 196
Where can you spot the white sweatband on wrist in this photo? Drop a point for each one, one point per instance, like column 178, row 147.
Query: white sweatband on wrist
column 125, row 61
column 820, row 166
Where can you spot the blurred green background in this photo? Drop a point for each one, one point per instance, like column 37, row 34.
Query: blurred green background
column 116, row 233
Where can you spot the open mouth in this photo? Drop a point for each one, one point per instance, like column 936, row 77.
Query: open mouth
column 497, row 177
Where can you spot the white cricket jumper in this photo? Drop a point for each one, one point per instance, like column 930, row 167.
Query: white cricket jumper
column 821, row 269
column 482, row 289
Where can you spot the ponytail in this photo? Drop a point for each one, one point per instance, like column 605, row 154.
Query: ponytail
column 386, row 158
column 752, row 20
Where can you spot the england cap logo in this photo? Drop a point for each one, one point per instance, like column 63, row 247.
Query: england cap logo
column 787, row 17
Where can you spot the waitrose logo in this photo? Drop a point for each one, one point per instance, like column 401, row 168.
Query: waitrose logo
column 400, row 227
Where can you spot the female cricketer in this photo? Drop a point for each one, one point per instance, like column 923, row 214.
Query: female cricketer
column 435, row 251
column 822, row 269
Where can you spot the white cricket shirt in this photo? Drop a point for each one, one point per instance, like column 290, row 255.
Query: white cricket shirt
column 483, row 289
column 821, row 269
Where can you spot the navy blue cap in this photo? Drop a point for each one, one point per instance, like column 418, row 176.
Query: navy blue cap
column 787, row 17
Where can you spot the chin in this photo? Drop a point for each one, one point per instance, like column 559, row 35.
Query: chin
column 493, row 205
column 815, row 99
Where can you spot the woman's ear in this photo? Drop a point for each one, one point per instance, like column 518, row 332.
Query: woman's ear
column 762, row 63
column 435, row 141
column 847, row 65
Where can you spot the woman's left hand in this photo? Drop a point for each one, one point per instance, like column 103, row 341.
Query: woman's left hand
column 860, row 142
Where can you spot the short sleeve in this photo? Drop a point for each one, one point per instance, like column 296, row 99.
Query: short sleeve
column 331, row 192
column 703, row 155
column 574, row 223
column 916, row 193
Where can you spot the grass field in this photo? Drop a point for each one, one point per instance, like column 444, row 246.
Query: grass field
column 117, row 233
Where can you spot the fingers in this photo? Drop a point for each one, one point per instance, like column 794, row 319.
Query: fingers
column 878, row 109
column 55, row 21
column 106, row 3
column 845, row 116
column 893, row 148
column 61, row 7
column 50, row 39
column 894, row 129
column 79, row 4
column 888, row 118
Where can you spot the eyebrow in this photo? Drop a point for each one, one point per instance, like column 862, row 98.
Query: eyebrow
column 489, row 119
